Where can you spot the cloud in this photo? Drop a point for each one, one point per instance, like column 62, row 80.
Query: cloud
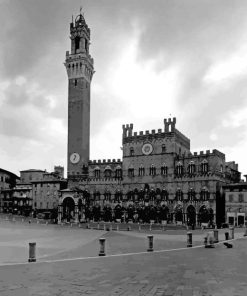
column 186, row 58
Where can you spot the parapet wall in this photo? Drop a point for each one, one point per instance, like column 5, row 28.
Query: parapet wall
column 214, row 152
column 168, row 132
column 105, row 161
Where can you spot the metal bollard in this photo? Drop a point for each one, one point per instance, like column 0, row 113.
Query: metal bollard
column 117, row 227
column 210, row 240
column 98, row 226
column 88, row 226
column 216, row 235
column 205, row 241
column 129, row 228
column 102, row 247
column 104, row 227
column 189, row 239
column 111, row 227
column 231, row 230
column 226, row 235
column 245, row 233
column 150, row 228
column 32, row 252
column 140, row 227
column 150, row 243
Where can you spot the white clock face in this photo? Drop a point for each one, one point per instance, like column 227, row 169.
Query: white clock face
column 147, row 149
column 74, row 157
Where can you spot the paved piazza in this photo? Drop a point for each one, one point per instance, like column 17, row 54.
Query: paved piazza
column 184, row 272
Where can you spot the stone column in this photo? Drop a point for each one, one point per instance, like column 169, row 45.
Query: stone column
column 59, row 219
column 76, row 213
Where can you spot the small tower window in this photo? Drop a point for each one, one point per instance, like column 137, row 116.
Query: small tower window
column 86, row 45
column 152, row 170
column 77, row 42
column 132, row 151
column 163, row 148
column 75, row 82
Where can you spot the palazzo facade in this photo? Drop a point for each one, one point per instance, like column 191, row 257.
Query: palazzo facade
column 158, row 179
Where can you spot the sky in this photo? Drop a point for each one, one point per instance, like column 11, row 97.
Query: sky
column 153, row 60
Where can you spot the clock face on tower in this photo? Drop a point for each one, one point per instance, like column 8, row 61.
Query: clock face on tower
column 74, row 157
column 147, row 149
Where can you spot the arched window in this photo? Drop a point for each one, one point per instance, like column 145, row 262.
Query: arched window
column 204, row 194
column 118, row 172
column 97, row 172
column 96, row 196
column 131, row 171
column 204, row 166
column 118, row 196
column 164, row 195
column 152, row 170
column 108, row 172
column 130, row 196
column 179, row 195
column 141, row 170
column 179, row 169
column 132, row 152
column 191, row 195
column 107, row 196
column 164, row 170
column 77, row 42
column 191, row 168
column 163, row 148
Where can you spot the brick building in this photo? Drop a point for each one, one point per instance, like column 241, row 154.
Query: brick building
column 36, row 192
column 158, row 178
column 8, row 180
column 236, row 203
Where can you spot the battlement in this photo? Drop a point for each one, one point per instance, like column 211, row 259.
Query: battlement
column 170, row 124
column 105, row 161
column 169, row 128
column 214, row 152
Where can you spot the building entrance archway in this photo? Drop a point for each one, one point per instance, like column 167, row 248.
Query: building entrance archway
column 68, row 209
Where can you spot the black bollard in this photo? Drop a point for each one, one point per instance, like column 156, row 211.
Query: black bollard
column 150, row 243
column 189, row 239
column 102, row 247
column 32, row 252
column 226, row 235
column 216, row 235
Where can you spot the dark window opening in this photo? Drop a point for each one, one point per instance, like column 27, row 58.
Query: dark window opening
column 86, row 44
column 75, row 82
column 77, row 42
column 131, row 172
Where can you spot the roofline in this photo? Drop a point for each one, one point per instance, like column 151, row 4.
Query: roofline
column 10, row 173
column 33, row 170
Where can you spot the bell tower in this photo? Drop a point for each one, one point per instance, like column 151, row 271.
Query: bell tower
column 79, row 66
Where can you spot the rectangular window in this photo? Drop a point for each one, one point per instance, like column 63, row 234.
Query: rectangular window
column 240, row 197
column 230, row 198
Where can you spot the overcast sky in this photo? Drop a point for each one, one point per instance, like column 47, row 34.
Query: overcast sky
column 187, row 58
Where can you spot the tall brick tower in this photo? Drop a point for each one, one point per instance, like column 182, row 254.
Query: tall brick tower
column 79, row 66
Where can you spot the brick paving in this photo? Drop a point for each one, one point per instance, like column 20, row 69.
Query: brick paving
column 190, row 272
